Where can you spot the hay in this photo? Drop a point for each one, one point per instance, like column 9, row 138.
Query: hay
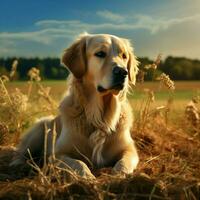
column 169, row 169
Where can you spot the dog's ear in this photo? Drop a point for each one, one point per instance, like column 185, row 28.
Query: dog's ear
column 74, row 57
column 132, row 67
column 132, row 63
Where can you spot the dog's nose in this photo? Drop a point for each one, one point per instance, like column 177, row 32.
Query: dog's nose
column 119, row 71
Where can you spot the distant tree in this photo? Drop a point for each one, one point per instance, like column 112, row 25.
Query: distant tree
column 178, row 68
column 196, row 70
column 143, row 62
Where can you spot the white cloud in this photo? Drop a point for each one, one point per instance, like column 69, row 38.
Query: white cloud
column 110, row 16
column 58, row 23
column 153, row 25
column 160, row 24
column 44, row 36
column 54, row 32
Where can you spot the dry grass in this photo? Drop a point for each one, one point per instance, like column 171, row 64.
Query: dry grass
column 168, row 145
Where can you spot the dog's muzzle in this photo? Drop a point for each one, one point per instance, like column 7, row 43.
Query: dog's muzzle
column 119, row 75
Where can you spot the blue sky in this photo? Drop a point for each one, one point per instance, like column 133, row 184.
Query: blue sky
column 44, row 28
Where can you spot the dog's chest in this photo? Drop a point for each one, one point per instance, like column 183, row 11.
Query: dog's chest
column 81, row 138
column 75, row 135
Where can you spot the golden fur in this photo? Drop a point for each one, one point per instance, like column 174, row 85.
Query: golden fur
column 92, row 125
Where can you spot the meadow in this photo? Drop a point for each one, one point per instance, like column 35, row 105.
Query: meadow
column 182, row 95
column 166, row 131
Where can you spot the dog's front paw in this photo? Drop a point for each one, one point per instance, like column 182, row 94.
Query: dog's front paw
column 82, row 170
column 121, row 168
column 77, row 166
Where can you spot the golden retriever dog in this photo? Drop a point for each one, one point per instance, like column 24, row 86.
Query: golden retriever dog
column 95, row 118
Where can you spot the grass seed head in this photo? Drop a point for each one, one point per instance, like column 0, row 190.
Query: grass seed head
column 192, row 114
column 140, row 76
column 13, row 69
column 19, row 101
column 4, row 78
column 155, row 64
column 34, row 74
column 165, row 79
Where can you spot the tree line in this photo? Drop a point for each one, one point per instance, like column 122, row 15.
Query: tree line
column 178, row 68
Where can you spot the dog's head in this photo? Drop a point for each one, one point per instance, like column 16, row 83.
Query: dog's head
column 104, row 61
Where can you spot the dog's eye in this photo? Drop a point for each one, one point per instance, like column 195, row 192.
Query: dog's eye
column 100, row 54
column 124, row 56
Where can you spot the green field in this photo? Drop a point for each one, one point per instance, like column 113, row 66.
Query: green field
column 168, row 146
column 184, row 92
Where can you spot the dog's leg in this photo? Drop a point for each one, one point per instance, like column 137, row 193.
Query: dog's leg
column 75, row 165
column 128, row 161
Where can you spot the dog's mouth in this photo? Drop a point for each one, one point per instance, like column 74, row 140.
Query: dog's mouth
column 116, row 87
